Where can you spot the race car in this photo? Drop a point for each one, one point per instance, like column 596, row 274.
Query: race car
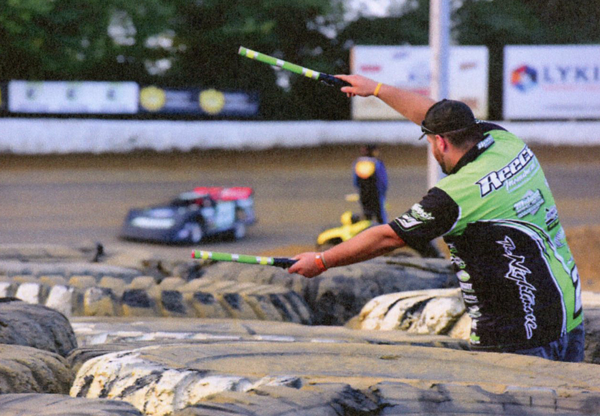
column 193, row 216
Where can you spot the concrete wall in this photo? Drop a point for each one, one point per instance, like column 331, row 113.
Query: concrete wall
column 43, row 136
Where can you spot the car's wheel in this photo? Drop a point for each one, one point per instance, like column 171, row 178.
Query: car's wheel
column 194, row 232
column 239, row 231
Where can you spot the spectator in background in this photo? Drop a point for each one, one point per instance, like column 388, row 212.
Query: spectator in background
column 370, row 179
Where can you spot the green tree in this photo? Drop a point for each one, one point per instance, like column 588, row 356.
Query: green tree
column 63, row 39
column 209, row 33
column 408, row 25
column 567, row 21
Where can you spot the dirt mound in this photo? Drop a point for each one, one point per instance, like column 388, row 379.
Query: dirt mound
column 585, row 245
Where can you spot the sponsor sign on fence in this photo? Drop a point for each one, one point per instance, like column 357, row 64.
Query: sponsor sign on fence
column 62, row 97
column 194, row 101
column 551, row 82
column 409, row 67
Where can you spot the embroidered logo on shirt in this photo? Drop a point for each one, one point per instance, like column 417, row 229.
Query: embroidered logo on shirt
column 530, row 204
column 496, row 179
column 406, row 222
column 517, row 272
column 417, row 216
column 418, row 212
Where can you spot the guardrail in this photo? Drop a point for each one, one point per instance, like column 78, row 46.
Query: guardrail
column 46, row 136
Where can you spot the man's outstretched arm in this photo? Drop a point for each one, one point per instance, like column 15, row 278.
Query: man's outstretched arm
column 411, row 105
column 370, row 243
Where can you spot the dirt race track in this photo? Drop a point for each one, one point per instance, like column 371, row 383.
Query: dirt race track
column 80, row 199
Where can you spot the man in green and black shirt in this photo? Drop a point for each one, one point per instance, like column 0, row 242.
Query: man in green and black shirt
column 497, row 214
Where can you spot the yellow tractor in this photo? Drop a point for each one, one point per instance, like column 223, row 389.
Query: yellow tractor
column 351, row 224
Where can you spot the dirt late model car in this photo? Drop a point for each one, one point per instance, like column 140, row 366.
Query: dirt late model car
column 193, row 216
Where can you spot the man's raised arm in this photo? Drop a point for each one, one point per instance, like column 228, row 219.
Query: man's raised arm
column 411, row 105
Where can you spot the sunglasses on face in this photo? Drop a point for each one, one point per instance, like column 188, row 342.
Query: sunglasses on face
column 425, row 131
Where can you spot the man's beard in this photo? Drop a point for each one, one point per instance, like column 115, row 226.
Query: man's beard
column 440, row 160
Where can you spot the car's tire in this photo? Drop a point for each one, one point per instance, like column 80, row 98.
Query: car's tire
column 239, row 231
column 196, row 232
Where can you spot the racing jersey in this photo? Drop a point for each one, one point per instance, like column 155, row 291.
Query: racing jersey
column 496, row 213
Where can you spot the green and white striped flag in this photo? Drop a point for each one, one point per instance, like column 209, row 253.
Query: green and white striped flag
column 296, row 69
column 282, row 262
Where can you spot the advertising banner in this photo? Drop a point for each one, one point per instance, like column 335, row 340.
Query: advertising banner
column 194, row 101
column 551, row 82
column 62, row 97
column 409, row 67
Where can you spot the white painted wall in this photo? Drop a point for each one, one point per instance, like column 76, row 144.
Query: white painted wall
column 44, row 136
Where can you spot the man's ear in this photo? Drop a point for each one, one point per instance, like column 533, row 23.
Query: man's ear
column 442, row 143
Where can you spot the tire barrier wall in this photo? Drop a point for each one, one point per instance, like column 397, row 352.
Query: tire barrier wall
column 104, row 295
column 215, row 290
column 258, row 365
column 228, row 367
column 339, row 294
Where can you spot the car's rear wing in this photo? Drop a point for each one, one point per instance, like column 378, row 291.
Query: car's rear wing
column 226, row 194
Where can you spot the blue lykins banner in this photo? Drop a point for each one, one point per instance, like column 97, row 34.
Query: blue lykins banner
column 543, row 82
column 201, row 102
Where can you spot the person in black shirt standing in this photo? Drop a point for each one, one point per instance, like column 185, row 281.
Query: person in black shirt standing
column 371, row 181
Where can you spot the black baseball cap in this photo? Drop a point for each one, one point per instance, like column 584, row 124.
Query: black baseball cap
column 447, row 116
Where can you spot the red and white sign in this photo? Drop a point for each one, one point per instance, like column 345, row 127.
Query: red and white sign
column 551, row 82
column 409, row 67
